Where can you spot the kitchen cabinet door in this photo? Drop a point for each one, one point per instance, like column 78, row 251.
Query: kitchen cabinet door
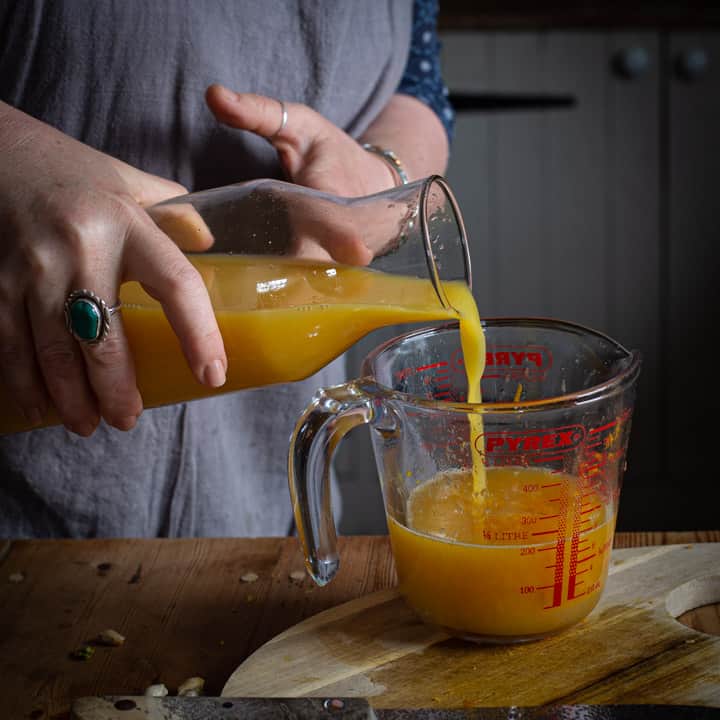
column 587, row 166
column 557, row 171
column 690, row 297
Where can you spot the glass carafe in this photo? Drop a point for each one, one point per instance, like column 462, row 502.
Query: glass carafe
column 285, row 308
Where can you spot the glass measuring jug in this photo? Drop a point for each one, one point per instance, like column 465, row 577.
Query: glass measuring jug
column 501, row 514
column 284, row 308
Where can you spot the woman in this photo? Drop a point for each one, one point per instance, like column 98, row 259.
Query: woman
column 109, row 107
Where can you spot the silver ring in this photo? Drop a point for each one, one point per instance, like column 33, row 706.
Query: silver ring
column 87, row 316
column 283, row 121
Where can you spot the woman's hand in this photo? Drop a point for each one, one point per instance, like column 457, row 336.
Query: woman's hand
column 317, row 154
column 72, row 218
column 313, row 151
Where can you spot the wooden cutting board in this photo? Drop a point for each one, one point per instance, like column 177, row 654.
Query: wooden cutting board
column 630, row 649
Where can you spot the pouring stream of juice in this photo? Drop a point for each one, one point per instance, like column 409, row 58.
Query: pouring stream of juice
column 472, row 340
column 281, row 319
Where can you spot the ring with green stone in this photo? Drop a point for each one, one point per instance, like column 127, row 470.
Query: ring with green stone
column 88, row 316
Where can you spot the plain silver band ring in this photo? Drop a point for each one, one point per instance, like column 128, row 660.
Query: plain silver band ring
column 283, row 121
column 87, row 316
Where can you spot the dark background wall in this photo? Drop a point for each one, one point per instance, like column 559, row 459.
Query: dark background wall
column 587, row 166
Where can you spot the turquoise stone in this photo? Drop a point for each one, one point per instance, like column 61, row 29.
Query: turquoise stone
column 85, row 319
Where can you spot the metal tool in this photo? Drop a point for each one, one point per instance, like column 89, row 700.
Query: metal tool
column 218, row 708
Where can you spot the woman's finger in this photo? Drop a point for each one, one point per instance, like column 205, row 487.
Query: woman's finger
column 184, row 225
column 19, row 370
column 108, row 361
column 170, row 278
column 258, row 114
column 323, row 232
column 60, row 360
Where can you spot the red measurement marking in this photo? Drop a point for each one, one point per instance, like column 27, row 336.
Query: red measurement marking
column 548, row 517
column 545, row 587
column 551, row 485
column 592, row 467
column 594, row 444
column 552, row 547
column 589, row 510
column 558, row 568
column 585, row 559
column 422, row 368
column 574, row 543
column 602, row 427
column 547, row 532
column 582, row 572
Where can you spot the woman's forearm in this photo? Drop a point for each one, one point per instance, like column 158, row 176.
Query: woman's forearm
column 414, row 133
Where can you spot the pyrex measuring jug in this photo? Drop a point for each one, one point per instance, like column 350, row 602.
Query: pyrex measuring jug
column 284, row 308
column 501, row 514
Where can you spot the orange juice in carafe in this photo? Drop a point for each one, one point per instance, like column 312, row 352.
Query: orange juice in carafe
column 281, row 319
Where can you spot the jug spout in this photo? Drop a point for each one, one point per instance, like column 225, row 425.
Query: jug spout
column 332, row 413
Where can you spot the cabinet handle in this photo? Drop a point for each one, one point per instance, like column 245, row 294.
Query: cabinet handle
column 692, row 64
column 631, row 63
column 509, row 102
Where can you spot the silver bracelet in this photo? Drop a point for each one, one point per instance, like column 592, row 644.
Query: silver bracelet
column 391, row 159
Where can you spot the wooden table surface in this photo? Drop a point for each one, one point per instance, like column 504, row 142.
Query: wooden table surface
column 182, row 606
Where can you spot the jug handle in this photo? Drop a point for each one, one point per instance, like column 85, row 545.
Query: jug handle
column 332, row 413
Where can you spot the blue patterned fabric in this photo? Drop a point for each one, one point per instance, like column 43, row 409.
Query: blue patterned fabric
column 422, row 78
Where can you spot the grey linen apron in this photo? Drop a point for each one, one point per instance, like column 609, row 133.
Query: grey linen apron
column 128, row 77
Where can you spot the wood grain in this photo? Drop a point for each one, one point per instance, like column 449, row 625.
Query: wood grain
column 180, row 604
column 376, row 647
